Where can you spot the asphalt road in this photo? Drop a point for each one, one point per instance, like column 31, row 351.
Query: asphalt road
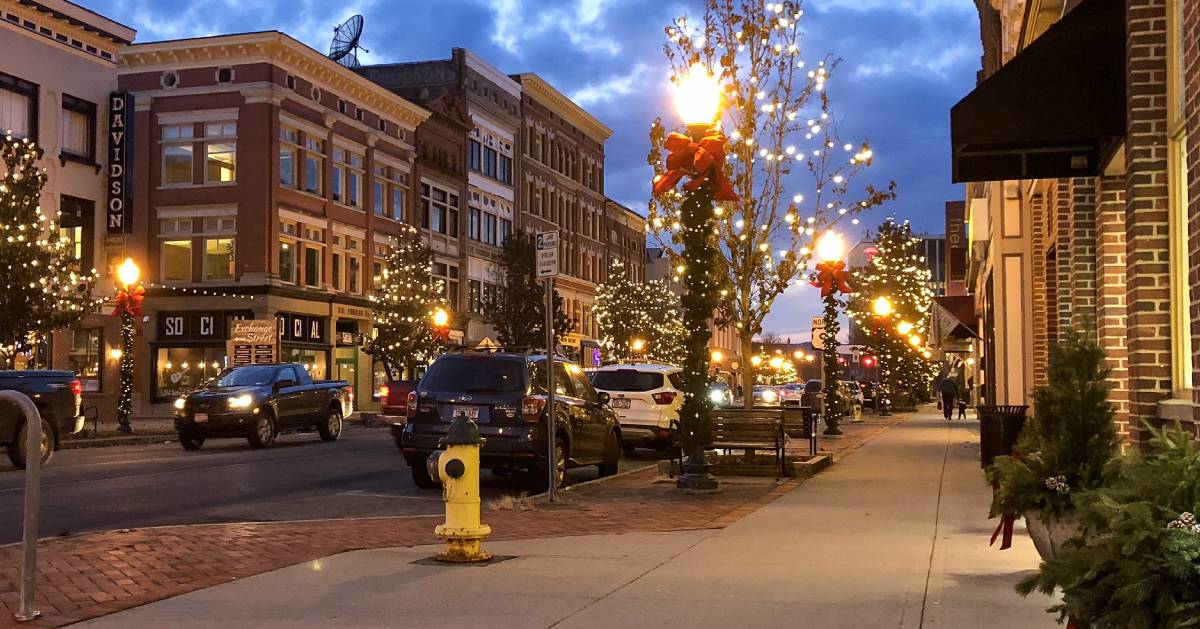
column 299, row 478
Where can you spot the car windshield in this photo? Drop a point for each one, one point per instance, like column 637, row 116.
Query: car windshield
column 627, row 380
column 252, row 376
column 475, row 374
column 813, row 386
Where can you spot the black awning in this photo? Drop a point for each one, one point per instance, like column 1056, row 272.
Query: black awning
column 1057, row 109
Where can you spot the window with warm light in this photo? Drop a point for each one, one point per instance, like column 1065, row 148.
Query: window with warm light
column 177, row 152
column 177, row 261
column 220, row 150
column 218, row 258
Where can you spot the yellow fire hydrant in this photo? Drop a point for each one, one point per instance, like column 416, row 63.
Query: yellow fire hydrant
column 457, row 467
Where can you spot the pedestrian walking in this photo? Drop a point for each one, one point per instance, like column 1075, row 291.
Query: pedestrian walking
column 948, row 388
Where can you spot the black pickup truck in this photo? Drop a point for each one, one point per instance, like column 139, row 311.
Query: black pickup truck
column 58, row 396
column 258, row 402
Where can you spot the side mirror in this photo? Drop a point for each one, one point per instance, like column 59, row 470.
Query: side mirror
column 603, row 398
column 283, row 384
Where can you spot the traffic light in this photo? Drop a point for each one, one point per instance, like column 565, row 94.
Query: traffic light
column 868, row 361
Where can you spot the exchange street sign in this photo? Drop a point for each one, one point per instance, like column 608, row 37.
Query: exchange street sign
column 547, row 254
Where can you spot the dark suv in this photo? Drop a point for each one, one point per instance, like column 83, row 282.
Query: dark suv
column 505, row 393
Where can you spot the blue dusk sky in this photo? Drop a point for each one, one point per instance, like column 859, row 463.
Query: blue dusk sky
column 904, row 63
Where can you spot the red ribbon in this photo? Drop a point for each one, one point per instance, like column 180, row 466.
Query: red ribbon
column 702, row 161
column 832, row 277
column 441, row 334
column 130, row 301
column 1006, row 527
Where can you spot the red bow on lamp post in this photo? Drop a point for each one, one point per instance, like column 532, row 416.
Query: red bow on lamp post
column 702, row 161
column 130, row 301
column 832, row 277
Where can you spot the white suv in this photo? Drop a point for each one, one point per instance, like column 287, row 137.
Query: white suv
column 646, row 397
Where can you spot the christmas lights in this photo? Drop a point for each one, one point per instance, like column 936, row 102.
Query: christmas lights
column 626, row 310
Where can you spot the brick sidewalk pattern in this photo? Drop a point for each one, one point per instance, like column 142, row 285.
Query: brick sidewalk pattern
column 95, row 574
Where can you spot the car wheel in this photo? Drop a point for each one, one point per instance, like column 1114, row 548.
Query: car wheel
column 332, row 428
column 190, row 441
column 17, row 449
column 560, row 468
column 264, row 431
column 421, row 477
column 612, row 455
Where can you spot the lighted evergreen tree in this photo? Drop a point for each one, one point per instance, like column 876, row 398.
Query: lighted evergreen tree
column 404, row 298
column 788, row 166
column 518, row 313
column 626, row 311
column 44, row 288
column 899, row 273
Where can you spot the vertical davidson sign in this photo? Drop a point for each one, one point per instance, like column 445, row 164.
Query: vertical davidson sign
column 119, row 212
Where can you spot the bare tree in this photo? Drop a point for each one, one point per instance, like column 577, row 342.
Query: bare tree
column 782, row 139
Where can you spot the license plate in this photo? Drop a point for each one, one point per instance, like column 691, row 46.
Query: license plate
column 201, row 418
column 472, row 412
column 620, row 403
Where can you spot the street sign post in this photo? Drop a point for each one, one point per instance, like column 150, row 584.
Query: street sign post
column 818, row 330
column 547, row 268
column 818, row 343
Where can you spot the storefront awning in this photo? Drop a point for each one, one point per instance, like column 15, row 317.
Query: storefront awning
column 1057, row 109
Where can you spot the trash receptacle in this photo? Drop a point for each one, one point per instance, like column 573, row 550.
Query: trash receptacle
column 999, row 428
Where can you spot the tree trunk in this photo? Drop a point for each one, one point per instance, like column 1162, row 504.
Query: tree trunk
column 747, row 372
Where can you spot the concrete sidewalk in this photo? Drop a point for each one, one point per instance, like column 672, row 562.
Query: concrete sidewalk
column 895, row 535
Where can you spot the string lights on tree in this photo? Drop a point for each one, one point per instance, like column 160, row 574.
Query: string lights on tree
column 631, row 314
column 789, row 172
column 896, row 335
column 44, row 288
column 518, row 310
column 408, row 302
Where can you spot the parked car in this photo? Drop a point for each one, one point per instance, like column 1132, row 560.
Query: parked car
column 58, row 396
column 393, row 400
column 720, row 394
column 258, row 402
column 765, row 395
column 852, row 399
column 505, row 393
column 869, row 390
column 646, row 398
column 854, row 391
column 813, row 395
column 791, row 394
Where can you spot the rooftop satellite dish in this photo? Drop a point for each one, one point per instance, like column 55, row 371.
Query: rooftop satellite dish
column 344, row 48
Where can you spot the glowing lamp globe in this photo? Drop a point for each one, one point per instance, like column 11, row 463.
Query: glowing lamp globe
column 128, row 273
column 637, row 345
column 698, row 97
column 830, row 247
column 717, row 356
column 441, row 318
column 882, row 306
column 904, row 327
column 915, row 340
column 756, row 360
column 776, row 363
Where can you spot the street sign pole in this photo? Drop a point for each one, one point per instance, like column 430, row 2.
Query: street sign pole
column 552, row 450
column 547, row 268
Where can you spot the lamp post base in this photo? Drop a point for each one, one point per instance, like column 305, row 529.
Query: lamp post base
column 695, row 478
column 125, row 429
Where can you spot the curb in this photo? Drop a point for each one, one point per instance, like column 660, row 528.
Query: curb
column 106, row 442
column 543, row 496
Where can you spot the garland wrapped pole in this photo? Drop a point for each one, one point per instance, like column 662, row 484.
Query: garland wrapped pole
column 832, row 278
column 128, row 307
column 700, row 155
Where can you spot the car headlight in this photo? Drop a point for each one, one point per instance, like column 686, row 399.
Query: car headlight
column 716, row 396
column 769, row 396
column 179, row 403
column 241, row 401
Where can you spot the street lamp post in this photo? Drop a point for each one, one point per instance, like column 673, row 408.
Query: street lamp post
column 129, row 307
column 831, row 279
column 698, row 103
column 883, row 309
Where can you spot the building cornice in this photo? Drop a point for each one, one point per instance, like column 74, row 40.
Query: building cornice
column 280, row 50
column 88, row 35
column 537, row 87
column 500, row 79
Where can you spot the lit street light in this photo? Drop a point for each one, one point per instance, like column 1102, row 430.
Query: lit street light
column 882, row 306
column 129, row 306
column 637, row 345
column 904, row 328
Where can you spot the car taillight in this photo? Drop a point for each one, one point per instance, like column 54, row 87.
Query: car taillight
column 531, row 407
column 411, row 407
column 385, row 393
column 76, row 388
column 664, row 397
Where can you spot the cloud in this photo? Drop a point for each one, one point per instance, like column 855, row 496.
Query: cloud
column 613, row 87
column 581, row 22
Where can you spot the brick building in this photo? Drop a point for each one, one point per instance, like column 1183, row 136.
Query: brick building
column 491, row 103
column 269, row 182
column 561, row 177
column 625, row 240
column 1080, row 151
column 57, row 72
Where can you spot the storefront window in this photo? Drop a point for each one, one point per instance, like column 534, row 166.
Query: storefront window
column 218, row 258
column 177, row 260
column 179, row 370
column 314, row 360
column 86, row 349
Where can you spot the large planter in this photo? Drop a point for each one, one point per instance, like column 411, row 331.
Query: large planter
column 1049, row 535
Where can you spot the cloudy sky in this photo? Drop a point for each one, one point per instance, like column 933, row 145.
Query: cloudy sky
column 905, row 62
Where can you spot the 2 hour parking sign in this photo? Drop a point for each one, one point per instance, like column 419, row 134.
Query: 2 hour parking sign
column 547, row 254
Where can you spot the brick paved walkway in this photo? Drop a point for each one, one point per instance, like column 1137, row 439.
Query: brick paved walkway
column 95, row 574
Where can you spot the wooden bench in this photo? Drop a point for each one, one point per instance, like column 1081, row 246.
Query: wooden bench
column 748, row 431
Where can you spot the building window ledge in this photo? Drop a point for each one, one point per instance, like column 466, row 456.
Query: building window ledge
column 1175, row 409
column 63, row 158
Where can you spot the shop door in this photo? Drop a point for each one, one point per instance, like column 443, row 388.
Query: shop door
column 345, row 367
